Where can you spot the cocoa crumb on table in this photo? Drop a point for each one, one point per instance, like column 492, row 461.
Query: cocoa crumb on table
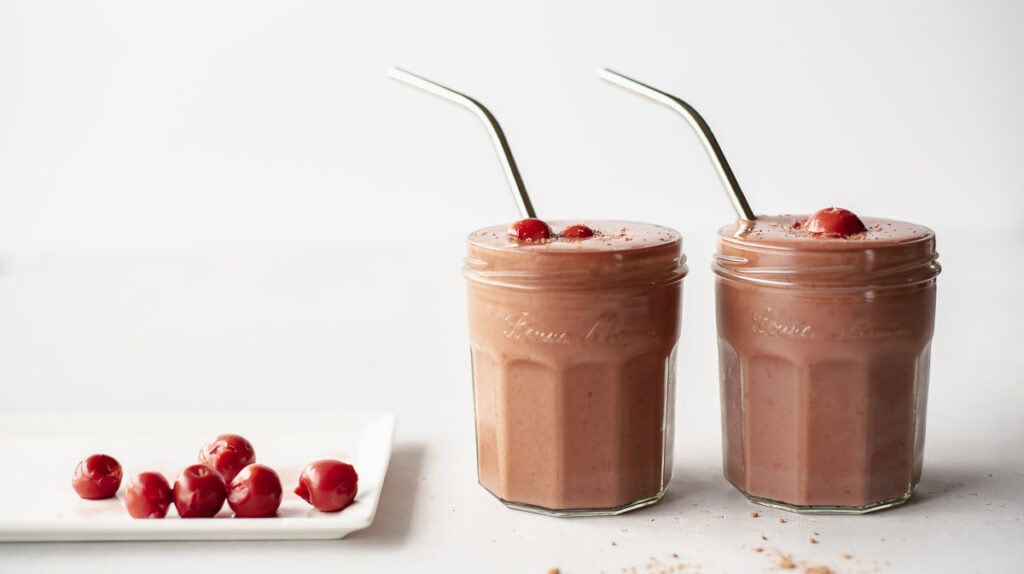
column 754, row 515
column 786, row 562
column 817, row 570
column 782, row 521
column 553, row 571
column 812, row 540
column 758, row 549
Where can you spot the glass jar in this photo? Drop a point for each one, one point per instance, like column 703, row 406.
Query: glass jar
column 573, row 351
column 824, row 352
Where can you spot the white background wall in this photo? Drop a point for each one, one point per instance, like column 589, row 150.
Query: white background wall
column 238, row 150
column 131, row 125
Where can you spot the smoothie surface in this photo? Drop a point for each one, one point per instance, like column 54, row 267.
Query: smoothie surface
column 788, row 231
column 608, row 236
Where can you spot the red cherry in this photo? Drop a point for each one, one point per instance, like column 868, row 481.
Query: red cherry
column 577, row 232
column 227, row 454
column 329, row 485
column 834, row 222
column 199, row 492
column 529, row 229
column 255, row 492
column 148, row 495
column 97, row 477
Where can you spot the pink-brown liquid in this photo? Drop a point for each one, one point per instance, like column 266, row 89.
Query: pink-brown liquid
column 573, row 348
column 824, row 349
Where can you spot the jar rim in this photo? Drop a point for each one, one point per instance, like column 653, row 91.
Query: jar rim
column 743, row 233
column 870, row 266
column 612, row 236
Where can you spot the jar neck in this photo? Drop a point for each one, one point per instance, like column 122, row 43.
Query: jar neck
column 527, row 269
column 864, row 266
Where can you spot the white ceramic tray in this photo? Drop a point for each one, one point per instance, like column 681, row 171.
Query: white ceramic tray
column 39, row 452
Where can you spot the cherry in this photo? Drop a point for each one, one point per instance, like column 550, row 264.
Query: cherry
column 227, row 454
column 199, row 492
column 148, row 495
column 577, row 232
column 96, row 477
column 255, row 492
column 529, row 229
column 834, row 222
column 329, row 485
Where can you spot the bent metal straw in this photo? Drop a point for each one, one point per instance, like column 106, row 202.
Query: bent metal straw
column 732, row 187
column 497, row 136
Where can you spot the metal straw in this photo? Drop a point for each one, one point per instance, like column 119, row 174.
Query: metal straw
column 732, row 187
column 497, row 136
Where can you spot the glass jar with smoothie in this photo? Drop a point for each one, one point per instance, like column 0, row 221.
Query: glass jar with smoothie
column 824, row 337
column 573, row 339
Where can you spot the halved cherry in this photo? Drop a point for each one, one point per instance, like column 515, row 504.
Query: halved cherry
column 96, row 477
column 148, row 495
column 529, row 229
column 255, row 492
column 577, row 232
column 199, row 492
column 227, row 454
column 329, row 485
column 834, row 222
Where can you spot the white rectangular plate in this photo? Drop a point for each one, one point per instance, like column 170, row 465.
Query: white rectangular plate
column 39, row 453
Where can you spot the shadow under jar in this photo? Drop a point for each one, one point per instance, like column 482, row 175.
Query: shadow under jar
column 573, row 348
column 824, row 350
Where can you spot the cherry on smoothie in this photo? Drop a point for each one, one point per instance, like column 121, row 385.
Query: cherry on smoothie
column 329, row 485
column 227, row 454
column 834, row 222
column 577, row 232
column 199, row 492
column 255, row 492
column 148, row 495
column 96, row 477
column 529, row 229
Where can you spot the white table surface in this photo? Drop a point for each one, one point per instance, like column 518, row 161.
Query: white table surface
column 351, row 326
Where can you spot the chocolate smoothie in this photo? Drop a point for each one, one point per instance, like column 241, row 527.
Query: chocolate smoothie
column 573, row 348
column 824, row 348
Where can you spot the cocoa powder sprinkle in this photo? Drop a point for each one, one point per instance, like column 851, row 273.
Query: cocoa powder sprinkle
column 786, row 562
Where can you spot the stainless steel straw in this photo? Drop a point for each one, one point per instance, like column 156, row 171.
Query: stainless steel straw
column 497, row 136
column 732, row 187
